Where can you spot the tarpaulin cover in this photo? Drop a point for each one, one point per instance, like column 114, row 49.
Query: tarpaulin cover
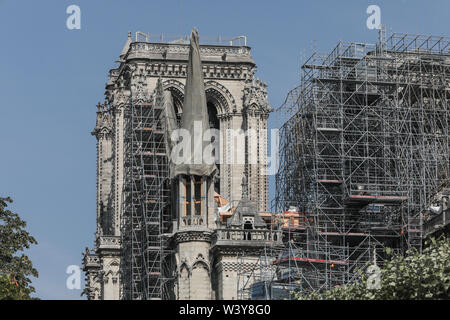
column 195, row 114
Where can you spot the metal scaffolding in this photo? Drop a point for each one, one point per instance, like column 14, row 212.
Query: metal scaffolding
column 146, row 270
column 364, row 149
column 259, row 274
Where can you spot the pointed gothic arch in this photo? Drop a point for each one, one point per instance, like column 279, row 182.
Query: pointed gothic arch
column 184, row 282
column 184, row 266
column 201, row 264
column 220, row 96
column 216, row 94
column 177, row 90
column 201, row 275
column 114, row 263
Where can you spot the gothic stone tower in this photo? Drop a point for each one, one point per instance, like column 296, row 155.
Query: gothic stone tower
column 235, row 100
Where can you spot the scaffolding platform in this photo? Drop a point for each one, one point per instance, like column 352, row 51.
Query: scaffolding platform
column 366, row 199
column 309, row 260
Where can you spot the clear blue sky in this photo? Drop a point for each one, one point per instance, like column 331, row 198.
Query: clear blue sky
column 51, row 78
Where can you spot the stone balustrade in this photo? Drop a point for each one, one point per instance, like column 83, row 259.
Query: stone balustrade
column 165, row 48
column 223, row 236
column 91, row 260
column 108, row 242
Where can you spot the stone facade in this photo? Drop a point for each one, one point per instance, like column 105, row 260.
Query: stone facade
column 236, row 100
column 102, row 269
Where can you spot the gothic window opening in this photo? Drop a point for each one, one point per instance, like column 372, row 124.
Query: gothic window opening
column 212, row 114
column 177, row 98
column 214, row 123
column 198, row 194
column 248, row 225
column 188, row 197
column 194, row 195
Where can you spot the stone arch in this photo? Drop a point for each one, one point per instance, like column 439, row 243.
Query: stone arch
column 177, row 90
column 95, row 294
column 201, row 281
column 126, row 74
column 215, row 93
column 106, row 283
column 184, row 279
column 220, row 102
column 114, row 263
column 253, row 108
column 200, row 262
column 108, row 274
column 184, row 266
column 220, row 96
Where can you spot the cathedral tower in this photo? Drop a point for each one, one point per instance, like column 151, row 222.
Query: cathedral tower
column 233, row 101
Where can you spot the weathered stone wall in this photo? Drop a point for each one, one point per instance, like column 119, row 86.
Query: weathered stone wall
column 110, row 281
column 194, row 281
column 234, row 274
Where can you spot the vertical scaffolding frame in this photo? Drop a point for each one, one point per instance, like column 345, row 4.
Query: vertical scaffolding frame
column 365, row 148
column 146, row 211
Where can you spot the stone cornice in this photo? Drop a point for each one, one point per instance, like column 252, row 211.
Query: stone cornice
column 91, row 261
column 108, row 242
column 192, row 235
column 180, row 52
column 210, row 71
column 234, row 250
column 229, row 266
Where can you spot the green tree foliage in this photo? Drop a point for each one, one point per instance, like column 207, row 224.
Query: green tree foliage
column 415, row 276
column 15, row 267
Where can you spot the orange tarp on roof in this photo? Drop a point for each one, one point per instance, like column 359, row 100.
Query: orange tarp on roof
column 220, row 200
